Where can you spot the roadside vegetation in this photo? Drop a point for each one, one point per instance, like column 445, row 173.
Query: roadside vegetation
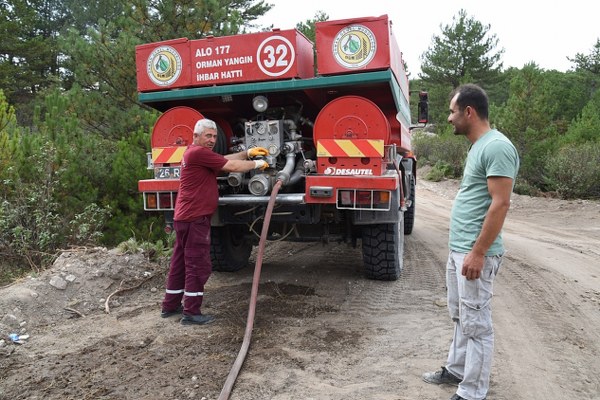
column 73, row 136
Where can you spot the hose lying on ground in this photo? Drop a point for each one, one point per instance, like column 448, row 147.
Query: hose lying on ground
column 237, row 365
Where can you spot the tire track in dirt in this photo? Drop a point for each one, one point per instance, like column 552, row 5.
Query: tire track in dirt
column 581, row 242
column 545, row 309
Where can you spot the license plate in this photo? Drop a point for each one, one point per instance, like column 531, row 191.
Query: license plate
column 167, row 172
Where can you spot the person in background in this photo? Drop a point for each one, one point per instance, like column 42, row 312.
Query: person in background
column 475, row 243
column 197, row 200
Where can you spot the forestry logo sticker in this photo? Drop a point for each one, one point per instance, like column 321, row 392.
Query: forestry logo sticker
column 354, row 46
column 164, row 66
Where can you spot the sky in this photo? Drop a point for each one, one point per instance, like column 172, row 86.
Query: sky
column 529, row 31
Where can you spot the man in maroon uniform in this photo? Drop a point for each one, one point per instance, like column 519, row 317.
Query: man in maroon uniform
column 196, row 202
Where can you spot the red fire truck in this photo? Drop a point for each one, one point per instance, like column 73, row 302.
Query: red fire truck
column 338, row 135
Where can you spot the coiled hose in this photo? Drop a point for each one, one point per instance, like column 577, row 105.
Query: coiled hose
column 237, row 365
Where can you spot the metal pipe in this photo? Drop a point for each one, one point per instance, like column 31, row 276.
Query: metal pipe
column 245, row 199
column 237, row 365
column 284, row 174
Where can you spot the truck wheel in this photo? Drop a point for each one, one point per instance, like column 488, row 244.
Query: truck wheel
column 409, row 214
column 230, row 248
column 383, row 250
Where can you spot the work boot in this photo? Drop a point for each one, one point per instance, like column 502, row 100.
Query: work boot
column 167, row 313
column 440, row 377
column 199, row 319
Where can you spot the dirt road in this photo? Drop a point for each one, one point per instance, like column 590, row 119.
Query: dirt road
column 322, row 331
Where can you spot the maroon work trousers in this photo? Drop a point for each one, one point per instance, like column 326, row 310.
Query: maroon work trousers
column 190, row 266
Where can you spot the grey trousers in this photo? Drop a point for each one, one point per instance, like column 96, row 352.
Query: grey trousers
column 469, row 304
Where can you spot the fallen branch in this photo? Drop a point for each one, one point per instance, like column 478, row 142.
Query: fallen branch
column 74, row 311
column 119, row 290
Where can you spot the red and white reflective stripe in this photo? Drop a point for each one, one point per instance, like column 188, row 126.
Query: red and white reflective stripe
column 169, row 291
column 193, row 294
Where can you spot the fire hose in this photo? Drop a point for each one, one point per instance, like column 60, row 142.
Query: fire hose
column 237, row 365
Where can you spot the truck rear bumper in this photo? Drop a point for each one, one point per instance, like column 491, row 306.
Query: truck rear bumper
column 324, row 188
column 158, row 185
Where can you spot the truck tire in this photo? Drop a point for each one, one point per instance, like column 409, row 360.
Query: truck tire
column 230, row 248
column 383, row 250
column 409, row 214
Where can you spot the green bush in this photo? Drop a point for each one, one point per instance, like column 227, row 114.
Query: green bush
column 574, row 171
column 525, row 188
column 11, row 272
column 532, row 170
column 445, row 152
column 440, row 171
column 32, row 228
column 155, row 251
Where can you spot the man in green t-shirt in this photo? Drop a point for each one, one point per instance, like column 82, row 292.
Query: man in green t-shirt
column 475, row 243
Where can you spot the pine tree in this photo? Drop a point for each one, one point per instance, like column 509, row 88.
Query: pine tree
column 464, row 51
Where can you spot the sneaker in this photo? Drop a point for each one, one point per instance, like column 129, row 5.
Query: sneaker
column 167, row 314
column 200, row 319
column 440, row 377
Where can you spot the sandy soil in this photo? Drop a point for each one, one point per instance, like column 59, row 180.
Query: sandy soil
column 321, row 331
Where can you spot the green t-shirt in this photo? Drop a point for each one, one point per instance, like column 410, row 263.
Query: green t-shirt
column 491, row 155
